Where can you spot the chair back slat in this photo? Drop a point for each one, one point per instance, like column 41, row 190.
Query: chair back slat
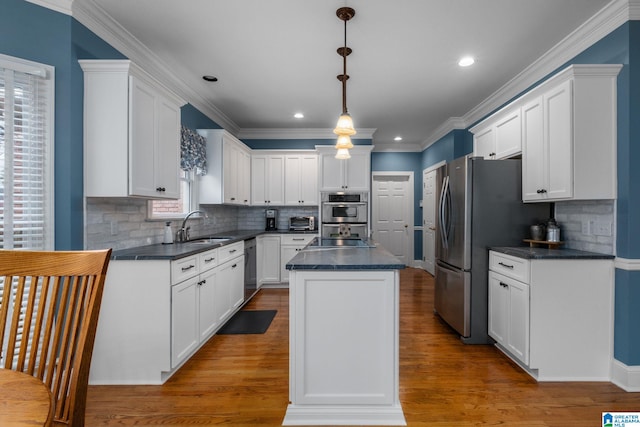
column 49, row 305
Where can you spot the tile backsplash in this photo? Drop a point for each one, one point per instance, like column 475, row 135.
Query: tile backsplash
column 121, row 223
column 587, row 225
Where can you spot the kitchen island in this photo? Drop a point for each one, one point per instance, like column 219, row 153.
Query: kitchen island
column 344, row 329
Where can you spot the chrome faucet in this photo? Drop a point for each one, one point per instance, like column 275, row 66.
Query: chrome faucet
column 182, row 235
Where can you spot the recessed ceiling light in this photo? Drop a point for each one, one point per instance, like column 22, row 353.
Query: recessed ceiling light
column 466, row 61
column 298, row 115
column 397, row 138
column 210, row 78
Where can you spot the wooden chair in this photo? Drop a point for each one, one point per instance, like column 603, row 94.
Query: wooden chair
column 49, row 305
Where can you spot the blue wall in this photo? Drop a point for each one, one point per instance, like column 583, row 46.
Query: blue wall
column 192, row 118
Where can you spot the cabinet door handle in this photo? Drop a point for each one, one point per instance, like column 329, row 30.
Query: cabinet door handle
column 161, row 189
column 504, row 285
column 188, row 268
column 492, row 154
column 297, row 239
column 233, row 198
column 234, row 265
column 233, row 250
column 541, row 191
column 505, row 265
column 209, row 259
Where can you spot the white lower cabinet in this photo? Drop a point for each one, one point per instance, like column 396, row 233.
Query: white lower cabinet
column 554, row 317
column 509, row 314
column 268, row 259
column 201, row 304
column 155, row 314
column 290, row 245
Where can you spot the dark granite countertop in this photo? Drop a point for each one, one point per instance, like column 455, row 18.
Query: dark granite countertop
column 320, row 256
column 160, row 251
column 545, row 253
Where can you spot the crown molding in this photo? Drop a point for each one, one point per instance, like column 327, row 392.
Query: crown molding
column 62, row 6
column 451, row 124
column 307, row 133
column 92, row 16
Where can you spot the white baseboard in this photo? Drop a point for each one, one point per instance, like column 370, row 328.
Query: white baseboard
column 626, row 377
column 417, row 263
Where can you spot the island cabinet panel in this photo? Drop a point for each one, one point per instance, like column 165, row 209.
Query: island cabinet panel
column 344, row 348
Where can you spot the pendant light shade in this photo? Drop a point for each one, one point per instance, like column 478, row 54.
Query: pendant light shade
column 345, row 125
column 343, row 154
column 344, row 141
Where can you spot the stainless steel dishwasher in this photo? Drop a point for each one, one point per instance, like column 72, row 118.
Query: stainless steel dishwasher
column 250, row 273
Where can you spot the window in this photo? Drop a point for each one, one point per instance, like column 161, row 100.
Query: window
column 26, row 147
column 166, row 209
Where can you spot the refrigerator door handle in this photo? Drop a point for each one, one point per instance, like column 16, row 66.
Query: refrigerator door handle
column 446, row 268
column 445, row 213
column 441, row 210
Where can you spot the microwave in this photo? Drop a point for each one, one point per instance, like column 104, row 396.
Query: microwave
column 344, row 208
column 302, row 223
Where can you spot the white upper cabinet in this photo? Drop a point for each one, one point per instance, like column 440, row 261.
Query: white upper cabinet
column 569, row 134
column 353, row 174
column 500, row 136
column 131, row 132
column 301, row 179
column 267, row 179
column 228, row 178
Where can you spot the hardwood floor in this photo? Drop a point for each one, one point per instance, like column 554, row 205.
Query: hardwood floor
column 242, row 380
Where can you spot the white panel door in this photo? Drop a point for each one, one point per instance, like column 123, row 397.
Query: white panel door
column 429, row 209
column 390, row 215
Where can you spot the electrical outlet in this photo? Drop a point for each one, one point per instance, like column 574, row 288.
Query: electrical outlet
column 114, row 228
column 586, row 228
column 601, row 228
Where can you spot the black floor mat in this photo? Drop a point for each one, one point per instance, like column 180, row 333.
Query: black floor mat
column 249, row 322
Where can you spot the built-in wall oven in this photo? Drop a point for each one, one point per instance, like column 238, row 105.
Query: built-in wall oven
column 344, row 215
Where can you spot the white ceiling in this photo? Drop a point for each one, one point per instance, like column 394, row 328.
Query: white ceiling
column 277, row 57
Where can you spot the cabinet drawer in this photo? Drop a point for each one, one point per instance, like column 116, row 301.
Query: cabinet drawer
column 208, row 259
column 184, row 268
column 510, row 266
column 228, row 252
column 296, row 239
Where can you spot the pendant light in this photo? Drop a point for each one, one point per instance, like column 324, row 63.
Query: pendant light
column 344, row 129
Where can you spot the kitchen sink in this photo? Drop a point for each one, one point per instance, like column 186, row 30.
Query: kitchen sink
column 208, row 240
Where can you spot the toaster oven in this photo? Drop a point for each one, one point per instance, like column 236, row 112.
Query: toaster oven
column 302, row 223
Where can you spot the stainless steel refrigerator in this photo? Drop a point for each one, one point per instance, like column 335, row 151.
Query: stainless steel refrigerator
column 480, row 205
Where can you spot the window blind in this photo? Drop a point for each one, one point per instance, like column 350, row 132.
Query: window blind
column 25, row 200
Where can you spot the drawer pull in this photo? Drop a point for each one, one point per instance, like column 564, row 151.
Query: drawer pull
column 209, row 259
column 233, row 250
column 298, row 239
column 505, row 265
column 188, row 268
column 504, row 285
column 234, row 265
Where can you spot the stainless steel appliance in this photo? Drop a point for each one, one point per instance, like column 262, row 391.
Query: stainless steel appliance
column 250, row 271
column 271, row 216
column 344, row 215
column 302, row 223
column 345, row 231
column 341, row 207
column 480, row 205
